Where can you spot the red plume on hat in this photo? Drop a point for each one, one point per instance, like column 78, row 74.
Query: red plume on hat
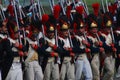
column 45, row 18
column 10, row 8
column 69, row 8
column 96, row 7
column 56, row 11
column 114, row 8
column 80, row 9
column 110, row 8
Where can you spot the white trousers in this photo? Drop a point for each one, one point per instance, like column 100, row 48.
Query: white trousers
column 15, row 72
column 67, row 71
column 83, row 66
column 33, row 71
column 51, row 71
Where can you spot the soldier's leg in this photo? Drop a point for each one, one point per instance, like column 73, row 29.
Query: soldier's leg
column 108, row 69
column 87, row 71
column 38, row 71
column 117, row 76
column 29, row 71
column 70, row 71
column 113, row 67
column 47, row 72
column 78, row 69
column 63, row 71
column 95, row 67
column 19, row 75
column 15, row 72
column 55, row 71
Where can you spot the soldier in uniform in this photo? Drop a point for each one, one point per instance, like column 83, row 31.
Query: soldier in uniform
column 81, row 44
column 33, row 70
column 110, row 50
column 95, row 48
column 67, row 67
column 15, row 72
column 51, row 71
column 7, row 52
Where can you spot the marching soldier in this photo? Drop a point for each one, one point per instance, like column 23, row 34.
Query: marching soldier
column 15, row 71
column 67, row 56
column 81, row 44
column 95, row 48
column 33, row 70
column 51, row 71
column 110, row 50
column 8, row 54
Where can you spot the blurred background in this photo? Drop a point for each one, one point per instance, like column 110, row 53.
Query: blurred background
column 46, row 5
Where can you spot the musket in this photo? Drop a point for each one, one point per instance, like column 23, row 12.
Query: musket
column 41, row 6
column 17, row 20
column 90, row 55
column 19, row 8
column 33, row 9
column 102, row 57
column 113, row 40
column 40, row 16
column 107, row 5
column 86, row 7
column 2, row 13
column 51, row 6
column 103, row 7
column 1, row 16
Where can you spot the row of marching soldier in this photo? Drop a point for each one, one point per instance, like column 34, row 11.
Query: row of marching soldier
column 65, row 45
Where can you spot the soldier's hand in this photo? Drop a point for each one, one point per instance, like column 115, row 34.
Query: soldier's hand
column 16, row 44
column 85, row 42
column 54, row 54
column 50, row 44
column 101, row 49
column 68, row 49
column 97, row 43
column 21, row 53
column 72, row 54
column 112, row 45
column 25, row 53
column 34, row 46
column 118, row 55
column 100, row 43
column 114, row 49
column 87, row 50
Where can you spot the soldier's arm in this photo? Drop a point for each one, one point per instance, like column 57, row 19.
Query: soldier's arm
column 76, row 49
column 8, row 49
column 92, row 48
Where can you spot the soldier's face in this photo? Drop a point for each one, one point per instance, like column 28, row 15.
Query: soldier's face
column 16, row 35
column 81, row 30
column 65, row 33
column 51, row 35
column 107, row 30
column 94, row 30
column 4, row 29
